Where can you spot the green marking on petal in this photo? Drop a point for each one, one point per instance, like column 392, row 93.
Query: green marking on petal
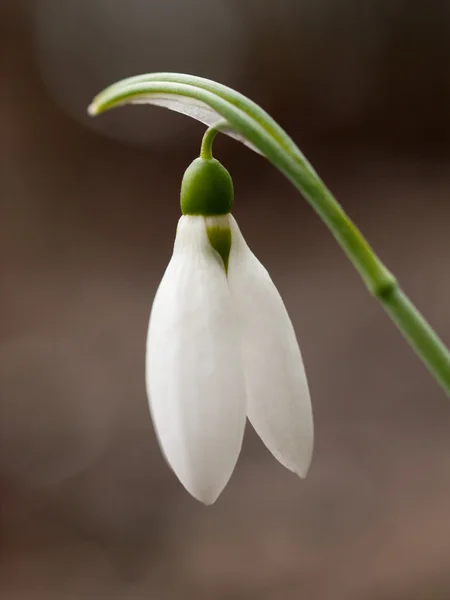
column 220, row 239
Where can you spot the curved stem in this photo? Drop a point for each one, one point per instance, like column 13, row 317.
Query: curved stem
column 207, row 142
column 209, row 137
column 378, row 279
column 208, row 101
column 380, row 282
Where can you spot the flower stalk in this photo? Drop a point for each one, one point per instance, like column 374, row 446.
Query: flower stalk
column 208, row 139
column 210, row 102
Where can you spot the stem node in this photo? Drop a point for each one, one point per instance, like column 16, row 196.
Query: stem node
column 385, row 289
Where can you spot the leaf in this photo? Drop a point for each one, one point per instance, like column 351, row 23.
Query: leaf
column 208, row 102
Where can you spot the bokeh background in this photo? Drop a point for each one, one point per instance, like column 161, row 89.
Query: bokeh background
column 88, row 508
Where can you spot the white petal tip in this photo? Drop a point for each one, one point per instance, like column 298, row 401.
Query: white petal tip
column 207, row 497
column 302, row 473
column 207, row 502
column 298, row 463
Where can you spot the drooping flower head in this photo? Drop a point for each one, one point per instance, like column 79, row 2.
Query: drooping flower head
column 220, row 107
column 221, row 347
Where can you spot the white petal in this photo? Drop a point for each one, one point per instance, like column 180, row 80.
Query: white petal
column 278, row 402
column 194, row 375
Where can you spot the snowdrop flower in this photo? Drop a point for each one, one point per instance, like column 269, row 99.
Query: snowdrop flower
column 221, row 347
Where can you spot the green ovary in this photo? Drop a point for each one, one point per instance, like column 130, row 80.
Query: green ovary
column 206, row 189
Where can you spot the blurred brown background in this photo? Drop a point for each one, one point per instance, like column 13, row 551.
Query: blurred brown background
column 88, row 508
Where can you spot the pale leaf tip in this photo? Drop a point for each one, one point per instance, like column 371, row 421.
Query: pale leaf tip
column 93, row 109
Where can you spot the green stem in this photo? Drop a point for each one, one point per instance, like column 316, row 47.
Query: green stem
column 208, row 139
column 419, row 334
column 200, row 98
column 378, row 279
column 207, row 142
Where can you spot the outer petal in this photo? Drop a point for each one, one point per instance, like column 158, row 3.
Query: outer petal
column 278, row 402
column 195, row 382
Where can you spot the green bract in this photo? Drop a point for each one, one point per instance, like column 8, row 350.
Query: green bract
column 206, row 189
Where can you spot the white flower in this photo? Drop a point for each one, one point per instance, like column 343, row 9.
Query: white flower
column 220, row 348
